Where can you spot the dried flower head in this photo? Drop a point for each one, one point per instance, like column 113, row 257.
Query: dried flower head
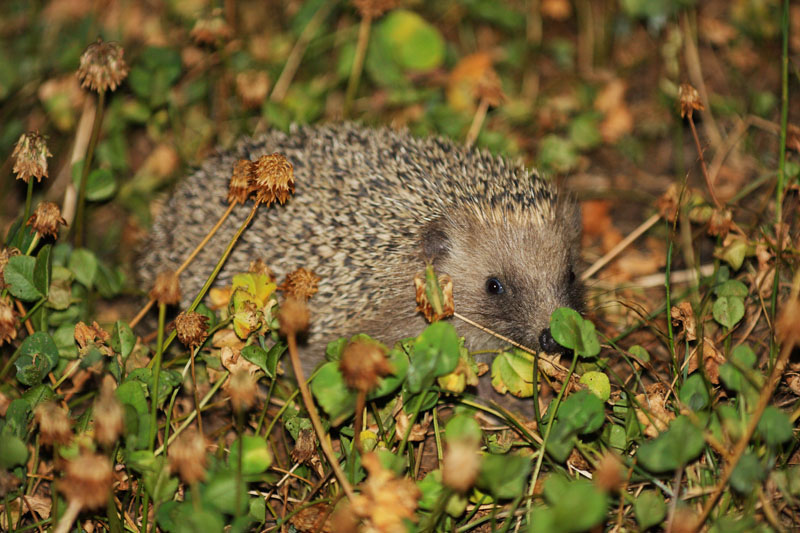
column 30, row 157
column 54, row 426
column 260, row 267
column 5, row 255
column 211, row 29
column 300, row 284
column 242, row 388
column 668, row 204
column 88, row 480
column 239, row 187
column 192, row 328
column 363, row 364
column 187, row 456
column 167, row 288
column 273, row 179
column 9, row 322
column 372, row 9
column 461, row 464
column 720, row 223
column 252, row 87
column 689, row 100
column 490, row 89
column 305, row 446
column 385, row 501
column 46, row 219
column 102, row 66
column 434, row 295
column 85, row 334
column 609, row 474
column 293, row 316
column 108, row 414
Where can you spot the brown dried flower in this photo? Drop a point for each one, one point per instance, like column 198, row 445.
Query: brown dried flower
column 5, row 255
column 720, row 223
column 54, row 426
column 434, row 296
column 305, row 446
column 684, row 314
column 85, row 334
column 46, row 219
column 363, row 364
column 273, row 179
column 192, row 328
column 30, row 157
column 242, row 389
column 293, row 316
column 87, row 481
column 167, row 288
column 260, row 267
column 372, row 9
column 689, row 100
column 668, row 204
column 102, row 66
column 609, row 474
column 187, row 456
column 108, row 414
column 211, row 29
column 461, row 464
column 252, row 87
column 239, row 187
column 385, row 501
column 9, row 323
column 300, row 284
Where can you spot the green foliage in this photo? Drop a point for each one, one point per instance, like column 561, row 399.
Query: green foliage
column 572, row 331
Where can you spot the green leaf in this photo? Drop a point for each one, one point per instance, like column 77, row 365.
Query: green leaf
column 572, row 331
column 16, row 419
column 640, row 352
column 38, row 394
column 584, row 131
column 513, row 372
column 256, row 457
column 388, row 384
column 504, row 476
column 577, row 504
column 18, row 275
column 557, row 154
column 598, row 384
column 728, row 310
column 749, row 472
column 83, row 264
column 694, row 393
column 41, row 270
column 775, row 426
column 258, row 356
column 100, row 183
column 13, row 452
column 462, row 427
column 583, row 411
column 38, row 355
column 649, row 509
column 415, row 44
column 435, row 353
column 679, row 444
column 332, row 394
column 220, row 493
column 122, row 339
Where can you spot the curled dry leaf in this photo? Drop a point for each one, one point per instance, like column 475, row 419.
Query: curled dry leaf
column 683, row 315
column 712, row 358
column 654, row 415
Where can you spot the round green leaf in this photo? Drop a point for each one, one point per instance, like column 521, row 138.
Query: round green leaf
column 679, row 444
column 13, row 452
column 38, row 355
column 256, row 457
column 598, row 384
column 775, row 427
column 694, row 393
column 332, row 393
column 504, row 476
column 415, row 44
column 571, row 330
column 462, row 427
column 580, row 506
column 18, row 275
column 513, row 372
column 728, row 310
column 749, row 472
column 83, row 264
column 650, row 509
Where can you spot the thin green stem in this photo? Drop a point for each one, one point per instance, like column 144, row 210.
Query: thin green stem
column 162, row 313
column 402, row 447
column 28, row 199
column 87, row 163
column 358, row 64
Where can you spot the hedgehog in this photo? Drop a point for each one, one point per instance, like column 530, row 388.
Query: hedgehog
column 372, row 207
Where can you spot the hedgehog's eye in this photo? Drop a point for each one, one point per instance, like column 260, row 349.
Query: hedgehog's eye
column 493, row 286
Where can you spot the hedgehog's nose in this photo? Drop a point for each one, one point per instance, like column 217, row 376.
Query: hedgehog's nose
column 549, row 345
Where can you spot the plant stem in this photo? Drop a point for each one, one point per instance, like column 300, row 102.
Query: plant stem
column 87, row 163
column 28, row 199
column 162, row 312
column 358, row 64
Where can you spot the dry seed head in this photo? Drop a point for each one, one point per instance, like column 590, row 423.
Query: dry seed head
column 242, row 389
column 305, row 446
column 385, row 501
column 373, row 9
column 720, row 223
column 609, row 474
column 9, row 323
column 260, row 267
column 239, row 188
column 5, row 255
column 252, row 87
column 30, row 157
column 689, row 100
column 102, row 66
column 300, row 284
column 167, row 289
column 46, row 219
column 88, row 480
column 461, row 464
column 273, row 179
column 192, row 328
column 293, row 316
column 442, row 305
column 85, row 334
column 490, row 89
column 54, row 426
column 187, row 456
column 363, row 364
column 211, row 29
column 108, row 414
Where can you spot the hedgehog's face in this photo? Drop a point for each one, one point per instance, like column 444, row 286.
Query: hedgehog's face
column 509, row 277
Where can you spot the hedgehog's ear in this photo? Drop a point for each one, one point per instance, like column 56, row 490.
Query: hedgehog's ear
column 434, row 240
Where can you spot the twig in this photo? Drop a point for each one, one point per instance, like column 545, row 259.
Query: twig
column 358, row 63
column 477, row 122
column 709, row 184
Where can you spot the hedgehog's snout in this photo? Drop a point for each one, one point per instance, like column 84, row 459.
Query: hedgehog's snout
column 549, row 345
